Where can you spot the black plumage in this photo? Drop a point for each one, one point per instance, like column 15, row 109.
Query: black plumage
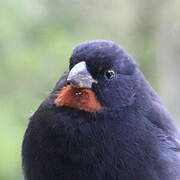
column 131, row 136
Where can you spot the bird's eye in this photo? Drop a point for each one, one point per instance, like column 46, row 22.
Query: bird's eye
column 109, row 74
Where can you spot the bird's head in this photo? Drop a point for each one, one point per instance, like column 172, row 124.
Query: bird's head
column 101, row 75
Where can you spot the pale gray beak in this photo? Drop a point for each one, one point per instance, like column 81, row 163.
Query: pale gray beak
column 80, row 77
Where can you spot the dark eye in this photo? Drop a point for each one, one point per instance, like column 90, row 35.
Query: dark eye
column 109, row 74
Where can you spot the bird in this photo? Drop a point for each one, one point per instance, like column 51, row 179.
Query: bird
column 102, row 121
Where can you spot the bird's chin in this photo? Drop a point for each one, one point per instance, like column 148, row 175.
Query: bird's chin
column 78, row 98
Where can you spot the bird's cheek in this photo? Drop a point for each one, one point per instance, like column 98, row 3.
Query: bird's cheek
column 78, row 98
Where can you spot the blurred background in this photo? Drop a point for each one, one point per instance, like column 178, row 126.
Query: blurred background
column 36, row 39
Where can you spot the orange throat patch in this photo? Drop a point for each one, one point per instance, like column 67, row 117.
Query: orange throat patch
column 78, row 98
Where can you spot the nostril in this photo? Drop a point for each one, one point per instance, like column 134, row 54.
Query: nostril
column 72, row 82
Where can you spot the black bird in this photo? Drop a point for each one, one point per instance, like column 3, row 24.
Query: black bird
column 102, row 121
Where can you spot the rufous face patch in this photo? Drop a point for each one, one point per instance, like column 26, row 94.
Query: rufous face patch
column 78, row 98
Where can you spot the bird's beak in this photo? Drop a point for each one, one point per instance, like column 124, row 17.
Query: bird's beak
column 80, row 77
